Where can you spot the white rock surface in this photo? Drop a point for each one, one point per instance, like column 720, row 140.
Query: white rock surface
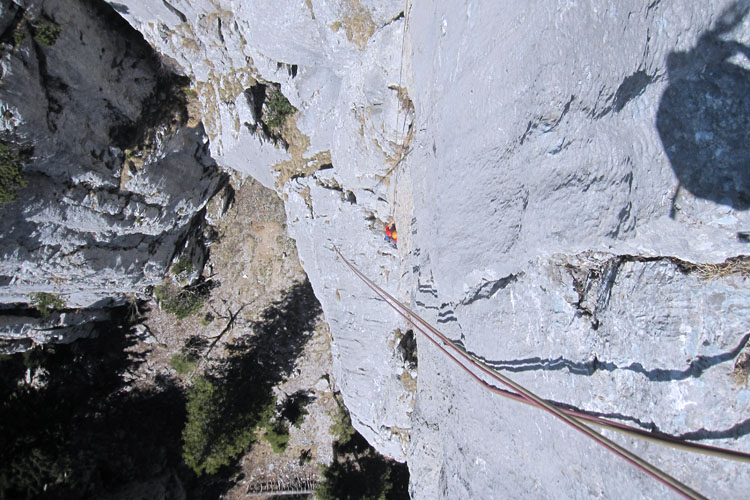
column 546, row 132
column 87, row 228
column 337, row 63
column 569, row 161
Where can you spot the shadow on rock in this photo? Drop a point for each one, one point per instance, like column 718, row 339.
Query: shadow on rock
column 704, row 115
column 695, row 367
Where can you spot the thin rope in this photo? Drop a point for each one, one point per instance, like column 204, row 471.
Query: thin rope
column 531, row 398
column 401, row 67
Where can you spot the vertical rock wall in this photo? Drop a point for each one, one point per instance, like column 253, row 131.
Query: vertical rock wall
column 575, row 165
column 570, row 169
column 339, row 63
column 114, row 176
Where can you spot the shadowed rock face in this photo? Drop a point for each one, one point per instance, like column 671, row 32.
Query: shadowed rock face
column 704, row 115
column 114, row 177
column 533, row 209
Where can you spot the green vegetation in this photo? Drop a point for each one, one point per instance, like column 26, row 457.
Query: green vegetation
column 46, row 34
column 277, row 109
column 342, row 429
column 276, row 425
column 182, row 363
column 182, row 302
column 186, row 360
column 190, row 92
column 74, row 432
column 215, row 434
column 83, row 429
column 358, row 472
column 293, row 409
column 18, row 37
column 11, row 179
column 227, row 406
column 368, row 477
column 183, row 265
column 277, row 434
column 305, row 457
column 204, row 398
column 47, row 303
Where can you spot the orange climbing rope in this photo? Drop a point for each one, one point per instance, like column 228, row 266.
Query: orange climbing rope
column 573, row 418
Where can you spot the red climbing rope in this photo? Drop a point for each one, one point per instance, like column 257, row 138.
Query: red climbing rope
column 572, row 418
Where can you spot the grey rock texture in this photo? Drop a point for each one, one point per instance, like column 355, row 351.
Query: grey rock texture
column 115, row 177
column 571, row 161
column 638, row 341
column 561, row 174
column 339, row 63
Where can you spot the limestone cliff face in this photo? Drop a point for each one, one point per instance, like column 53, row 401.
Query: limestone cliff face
column 560, row 181
column 560, row 173
column 572, row 162
column 339, row 63
column 113, row 175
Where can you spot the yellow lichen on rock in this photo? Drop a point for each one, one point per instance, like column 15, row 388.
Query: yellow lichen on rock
column 223, row 88
column 299, row 164
column 357, row 22
column 309, row 5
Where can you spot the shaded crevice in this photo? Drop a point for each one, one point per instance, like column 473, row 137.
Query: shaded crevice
column 737, row 430
column 544, row 123
column 397, row 17
column 594, row 284
column 422, row 304
column 407, row 346
column 598, row 111
column 291, row 69
column 647, row 425
column 427, row 288
column 174, row 10
column 256, row 97
column 15, row 23
column 219, row 30
column 48, row 83
column 654, row 4
column 695, row 368
column 446, row 315
column 489, row 288
column 632, row 87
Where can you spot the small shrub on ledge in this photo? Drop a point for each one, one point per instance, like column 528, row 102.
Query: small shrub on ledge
column 180, row 302
column 277, row 109
column 46, row 303
column 46, row 34
column 11, row 179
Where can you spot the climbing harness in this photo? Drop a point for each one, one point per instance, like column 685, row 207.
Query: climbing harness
column 573, row 418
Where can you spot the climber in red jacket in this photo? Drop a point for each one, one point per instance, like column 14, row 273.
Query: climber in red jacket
column 391, row 236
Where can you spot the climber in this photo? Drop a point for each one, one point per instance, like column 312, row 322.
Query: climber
column 391, row 236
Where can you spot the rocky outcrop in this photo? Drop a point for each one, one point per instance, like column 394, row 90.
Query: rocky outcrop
column 114, row 175
column 339, row 65
column 566, row 180
column 569, row 172
column 575, row 167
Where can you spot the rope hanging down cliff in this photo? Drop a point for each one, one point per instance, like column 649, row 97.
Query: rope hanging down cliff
column 572, row 418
